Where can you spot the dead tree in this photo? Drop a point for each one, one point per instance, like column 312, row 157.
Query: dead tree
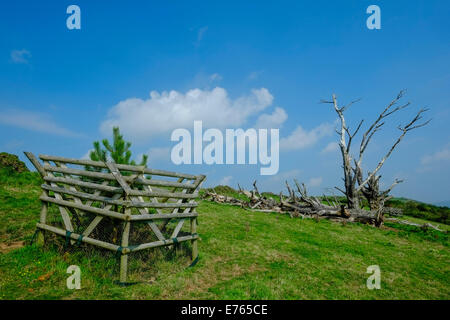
column 355, row 183
column 311, row 206
column 375, row 197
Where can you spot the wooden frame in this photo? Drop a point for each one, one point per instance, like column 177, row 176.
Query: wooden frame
column 121, row 192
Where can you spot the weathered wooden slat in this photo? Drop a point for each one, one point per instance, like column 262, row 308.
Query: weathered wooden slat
column 164, row 205
column 156, row 230
column 152, row 199
column 124, row 167
column 64, row 203
column 152, row 225
column 97, row 186
column 76, row 199
column 84, row 173
column 197, row 184
column 64, row 214
column 128, row 203
column 40, row 240
column 98, row 219
column 98, row 192
column 90, row 185
column 75, row 236
column 119, row 178
column 113, row 247
column 124, row 244
column 161, row 183
column 94, row 223
column 44, row 209
column 184, row 191
column 177, row 228
column 194, row 226
column 162, row 243
column 171, row 195
column 158, row 216
column 179, row 201
column 109, row 176
column 87, row 196
column 173, row 190
column 194, row 241
column 36, row 163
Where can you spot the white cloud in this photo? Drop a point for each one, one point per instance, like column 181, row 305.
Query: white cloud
column 301, row 138
column 442, row 155
column 87, row 156
column 215, row 77
column 274, row 120
column 200, row 33
column 20, row 56
column 315, row 182
column 225, row 181
column 34, row 121
column 254, row 75
column 165, row 111
column 331, row 147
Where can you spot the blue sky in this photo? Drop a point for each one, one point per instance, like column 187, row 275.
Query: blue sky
column 60, row 88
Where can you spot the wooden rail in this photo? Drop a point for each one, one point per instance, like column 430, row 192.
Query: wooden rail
column 94, row 190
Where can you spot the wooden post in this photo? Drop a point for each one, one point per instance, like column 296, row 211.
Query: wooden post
column 194, row 242
column 40, row 240
column 124, row 257
column 44, row 207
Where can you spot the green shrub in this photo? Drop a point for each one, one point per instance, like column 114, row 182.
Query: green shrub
column 12, row 162
column 10, row 177
column 421, row 210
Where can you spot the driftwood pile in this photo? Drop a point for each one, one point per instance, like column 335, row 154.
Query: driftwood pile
column 298, row 204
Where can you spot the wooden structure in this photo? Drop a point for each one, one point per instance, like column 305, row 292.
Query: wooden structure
column 120, row 195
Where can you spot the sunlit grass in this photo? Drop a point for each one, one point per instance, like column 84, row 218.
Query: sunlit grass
column 243, row 255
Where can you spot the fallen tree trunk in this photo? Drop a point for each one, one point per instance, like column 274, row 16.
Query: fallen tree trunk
column 297, row 204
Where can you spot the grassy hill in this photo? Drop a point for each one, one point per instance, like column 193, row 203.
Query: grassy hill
column 410, row 208
column 243, row 255
column 421, row 210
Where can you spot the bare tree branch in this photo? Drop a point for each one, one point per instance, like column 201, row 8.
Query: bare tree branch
column 355, row 185
column 376, row 125
column 350, row 136
column 388, row 190
column 339, row 189
column 348, row 105
column 410, row 126
column 256, row 189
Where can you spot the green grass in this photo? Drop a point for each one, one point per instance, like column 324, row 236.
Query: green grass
column 243, row 255
column 440, row 225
